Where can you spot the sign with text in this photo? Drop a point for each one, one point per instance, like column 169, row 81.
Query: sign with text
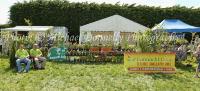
column 149, row 62
column 57, row 53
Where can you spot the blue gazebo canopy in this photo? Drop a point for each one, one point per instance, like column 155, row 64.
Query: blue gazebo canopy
column 175, row 25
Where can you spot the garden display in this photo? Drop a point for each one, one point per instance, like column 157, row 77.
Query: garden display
column 77, row 54
column 116, row 45
column 148, row 41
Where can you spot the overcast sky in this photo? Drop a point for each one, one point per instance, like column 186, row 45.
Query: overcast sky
column 6, row 4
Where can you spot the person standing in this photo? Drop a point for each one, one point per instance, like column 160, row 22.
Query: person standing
column 22, row 57
column 197, row 55
column 36, row 54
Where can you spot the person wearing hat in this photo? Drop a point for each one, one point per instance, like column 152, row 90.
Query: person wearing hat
column 22, row 57
column 36, row 54
column 197, row 55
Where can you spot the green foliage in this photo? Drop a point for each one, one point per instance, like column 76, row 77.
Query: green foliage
column 181, row 41
column 150, row 41
column 143, row 43
column 5, row 26
column 12, row 54
column 27, row 21
column 73, row 15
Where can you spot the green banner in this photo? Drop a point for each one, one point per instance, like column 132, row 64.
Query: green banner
column 57, row 53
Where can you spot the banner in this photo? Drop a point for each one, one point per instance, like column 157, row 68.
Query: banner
column 116, row 38
column 149, row 62
column 57, row 53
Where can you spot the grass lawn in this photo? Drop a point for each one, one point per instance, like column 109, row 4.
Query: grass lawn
column 82, row 77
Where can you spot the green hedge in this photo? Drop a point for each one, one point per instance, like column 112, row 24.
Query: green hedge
column 73, row 15
column 5, row 26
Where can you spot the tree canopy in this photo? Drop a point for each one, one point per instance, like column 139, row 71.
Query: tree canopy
column 73, row 15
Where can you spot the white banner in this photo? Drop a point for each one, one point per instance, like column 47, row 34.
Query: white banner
column 116, row 38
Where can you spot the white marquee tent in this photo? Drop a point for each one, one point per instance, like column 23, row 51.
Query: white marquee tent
column 116, row 24
column 38, row 30
column 29, row 28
